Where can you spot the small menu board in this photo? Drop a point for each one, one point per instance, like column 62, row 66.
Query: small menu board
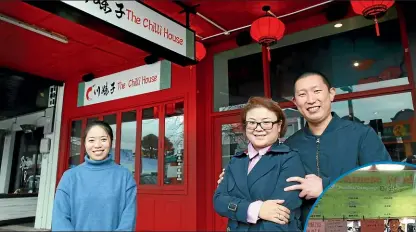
column 336, row 226
column 372, row 225
column 316, row 226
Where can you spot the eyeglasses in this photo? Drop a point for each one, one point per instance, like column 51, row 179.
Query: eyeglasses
column 265, row 125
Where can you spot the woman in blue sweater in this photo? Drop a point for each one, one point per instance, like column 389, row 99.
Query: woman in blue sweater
column 98, row 195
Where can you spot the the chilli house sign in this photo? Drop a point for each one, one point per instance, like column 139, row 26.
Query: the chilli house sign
column 142, row 21
column 135, row 81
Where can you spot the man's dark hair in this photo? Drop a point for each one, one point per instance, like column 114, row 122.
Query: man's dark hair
column 313, row 73
column 392, row 219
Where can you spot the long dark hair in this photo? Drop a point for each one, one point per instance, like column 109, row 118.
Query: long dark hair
column 105, row 126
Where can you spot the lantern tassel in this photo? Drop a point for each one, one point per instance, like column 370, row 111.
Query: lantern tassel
column 268, row 54
column 377, row 28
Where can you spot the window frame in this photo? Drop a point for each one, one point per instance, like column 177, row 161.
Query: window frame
column 160, row 187
column 221, row 60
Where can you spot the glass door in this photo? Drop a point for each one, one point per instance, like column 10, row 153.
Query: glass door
column 27, row 161
column 228, row 140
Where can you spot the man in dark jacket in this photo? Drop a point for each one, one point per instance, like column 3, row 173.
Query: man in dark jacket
column 328, row 146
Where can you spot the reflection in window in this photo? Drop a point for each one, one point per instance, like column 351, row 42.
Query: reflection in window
column 112, row 121
column 75, row 144
column 391, row 116
column 174, row 143
column 150, row 142
column 353, row 61
column 245, row 79
column 233, row 141
column 128, row 140
column 90, row 120
column 27, row 162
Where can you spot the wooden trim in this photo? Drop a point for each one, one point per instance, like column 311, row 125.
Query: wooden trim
column 64, row 146
column 82, row 148
column 138, row 156
column 161, row 151
column 160, row 188
column 373, row 93
column 405, row 43
column 118, row 138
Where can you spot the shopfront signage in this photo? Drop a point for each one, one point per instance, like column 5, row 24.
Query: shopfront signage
column 131, row 22
column 374, row 225
column 316, row 226
column 135, row 81
column 369, row 195
column 336, row 225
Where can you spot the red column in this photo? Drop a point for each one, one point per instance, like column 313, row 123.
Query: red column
column 266, row 71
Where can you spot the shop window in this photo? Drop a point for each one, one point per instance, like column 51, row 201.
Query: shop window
column 90, row 120
column 174, row 143
column 353, row 61
column 353, row 58
column 150, row 146
column 238, row 75
column 112, row 121
column 160, row 162
column 27, row 162
column 391, row 116
column 128, row 140
column 75, row 144
column 233, row 140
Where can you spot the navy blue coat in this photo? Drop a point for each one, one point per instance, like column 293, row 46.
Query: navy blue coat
column 344, row 145
column 265, row 181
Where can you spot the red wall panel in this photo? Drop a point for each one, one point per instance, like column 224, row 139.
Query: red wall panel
column 161, row 210
column 190, row 209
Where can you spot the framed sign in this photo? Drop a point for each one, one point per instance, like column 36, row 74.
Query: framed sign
column 131, row 82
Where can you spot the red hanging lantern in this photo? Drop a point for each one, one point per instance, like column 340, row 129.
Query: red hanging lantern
column 372, row 9
column 200, row 51
column 267, row 30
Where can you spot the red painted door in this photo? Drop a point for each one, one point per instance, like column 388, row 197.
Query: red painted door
column 228, row 139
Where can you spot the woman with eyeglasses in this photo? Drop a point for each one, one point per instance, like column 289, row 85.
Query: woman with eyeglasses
column 251, row 195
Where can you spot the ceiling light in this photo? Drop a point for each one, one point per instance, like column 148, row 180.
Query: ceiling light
column 28, row 128
column 338, row 25
column 390, row 167
column 356, row 64
column 32, row 28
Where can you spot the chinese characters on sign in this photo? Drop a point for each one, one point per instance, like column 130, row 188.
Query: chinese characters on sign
column 140, row 20
column 103, row 89
column 134, row 17
column 104, row 6
column 369, row 194
column 375, row 225
column 336, row 226
column 131, row 82
column 316, row 226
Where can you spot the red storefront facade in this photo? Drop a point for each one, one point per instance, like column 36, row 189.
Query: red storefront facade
column 205, row 118
column 186, row 205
